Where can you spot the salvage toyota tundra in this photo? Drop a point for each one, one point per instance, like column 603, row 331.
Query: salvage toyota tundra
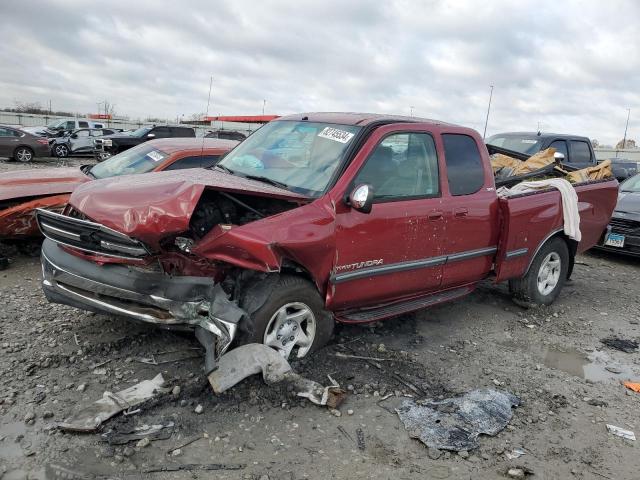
column 314, row 218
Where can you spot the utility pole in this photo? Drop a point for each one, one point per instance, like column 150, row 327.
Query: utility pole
column 264, row 104
column 411, row 111
column 624, row 139
column 486, row 120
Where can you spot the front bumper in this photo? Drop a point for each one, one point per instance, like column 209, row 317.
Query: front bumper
column 151, row 297
column 631, row 242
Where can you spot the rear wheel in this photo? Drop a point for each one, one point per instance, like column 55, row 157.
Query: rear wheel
column 546, row 277
column 61, row 151
column 23, row 154
column 293, row 319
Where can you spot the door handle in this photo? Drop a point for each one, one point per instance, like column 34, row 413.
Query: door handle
column 461, row 212
column 434, row 216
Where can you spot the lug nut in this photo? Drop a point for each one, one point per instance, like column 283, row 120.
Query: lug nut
column 295, row 327
column 279, row 337
column 291, row 337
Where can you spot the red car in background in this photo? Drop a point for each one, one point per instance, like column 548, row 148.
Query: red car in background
column 21, row 192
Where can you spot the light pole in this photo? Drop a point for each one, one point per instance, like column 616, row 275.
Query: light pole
column 411, row 111
column 264, row 104
column 486, row 120
column 624, row 139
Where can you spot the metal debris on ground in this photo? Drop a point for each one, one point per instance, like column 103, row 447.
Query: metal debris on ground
column 195, row 466
column 515, row 453
column 91, row 417
column 621, row 432
column 455, row 423
column 254, row 358
column 624, row 345
column 152, row 432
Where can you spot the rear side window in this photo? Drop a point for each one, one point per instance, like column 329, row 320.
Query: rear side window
column 194, row 162
column 182, row 132
column 83, row 124
column 464, row 164
column 580, row 152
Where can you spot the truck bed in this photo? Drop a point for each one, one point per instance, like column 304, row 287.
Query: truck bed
column 529, row 219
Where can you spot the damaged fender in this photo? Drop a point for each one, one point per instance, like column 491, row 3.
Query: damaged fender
column 20, row 220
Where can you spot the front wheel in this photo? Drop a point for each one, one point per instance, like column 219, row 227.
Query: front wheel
column 23, row 154
column 293, row 319
column 61, row 151
column 546, row 277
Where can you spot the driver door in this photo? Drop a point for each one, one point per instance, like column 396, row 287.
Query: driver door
column 395, row 250
column 80, row 141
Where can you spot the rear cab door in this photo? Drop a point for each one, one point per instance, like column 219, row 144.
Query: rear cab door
column 471, row 210
column 395, row 251
column 581, row 153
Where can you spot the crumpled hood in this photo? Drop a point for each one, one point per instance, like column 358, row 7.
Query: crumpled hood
column 36, row 182
column 151, row 206
column 628, row 206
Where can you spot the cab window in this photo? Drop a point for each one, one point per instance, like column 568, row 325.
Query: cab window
column 402, row 166
column 465, row 171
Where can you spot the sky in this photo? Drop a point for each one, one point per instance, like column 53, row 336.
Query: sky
column 565, row 66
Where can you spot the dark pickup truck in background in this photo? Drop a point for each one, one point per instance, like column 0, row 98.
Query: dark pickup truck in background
column 577, row 151
column 109, row 145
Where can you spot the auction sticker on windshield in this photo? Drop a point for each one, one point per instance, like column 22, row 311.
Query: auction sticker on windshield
column 155, row 156
column 336, row 134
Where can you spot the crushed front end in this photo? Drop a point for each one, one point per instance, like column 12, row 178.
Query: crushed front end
column 89, row 266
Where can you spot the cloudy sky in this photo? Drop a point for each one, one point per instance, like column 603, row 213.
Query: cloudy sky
column 570, row 66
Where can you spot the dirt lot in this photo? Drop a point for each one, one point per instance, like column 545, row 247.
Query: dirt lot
column 52, row 363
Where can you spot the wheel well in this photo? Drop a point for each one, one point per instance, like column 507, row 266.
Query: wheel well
column 572, row 246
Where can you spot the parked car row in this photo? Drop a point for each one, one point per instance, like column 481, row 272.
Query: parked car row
column 21, row 145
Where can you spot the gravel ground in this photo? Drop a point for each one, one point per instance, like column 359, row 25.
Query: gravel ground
column 52, row 363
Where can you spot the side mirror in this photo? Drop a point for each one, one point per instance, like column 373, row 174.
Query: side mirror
column 151, row 135
column 361, row 198
column 558, row 156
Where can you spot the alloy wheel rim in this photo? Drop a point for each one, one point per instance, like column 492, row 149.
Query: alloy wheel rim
column 24, row 155
column 549, row 273
column 292, row 326
column 61, row 151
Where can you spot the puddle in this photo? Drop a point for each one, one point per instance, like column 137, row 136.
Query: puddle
column 590, row 367
column 8, row 446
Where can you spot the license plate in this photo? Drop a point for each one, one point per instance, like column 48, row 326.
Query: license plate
column 614, row 240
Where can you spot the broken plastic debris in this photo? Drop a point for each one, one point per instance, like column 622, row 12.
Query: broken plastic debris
column 91, row 417
column 515, row 453
column 251, row 359
column 632, row 386
column 152, row 432
column 621, row 432
column 455, row 423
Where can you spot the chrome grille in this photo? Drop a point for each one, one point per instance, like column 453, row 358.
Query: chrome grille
column 88, row 236
column 625, row 226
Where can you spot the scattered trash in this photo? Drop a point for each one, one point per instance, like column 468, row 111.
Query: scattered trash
column 360, row 439
column 632, row 386
column 145, row 442
column 455, row 423
column 613, row 369
column 344, row 432
column 91, row 417
column 199, row 409
column 627, row 346
column 152, row 432
column 194, row 466
column 185, row 444
column 515, row 453
column 253, row 358
column 515, row 473
column 621, row 432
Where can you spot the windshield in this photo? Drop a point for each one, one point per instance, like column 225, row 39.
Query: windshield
column 140, row 132
column 302, row 156
column 55, row 124
column 631, row 185
column 140, row 159
column 527, row 144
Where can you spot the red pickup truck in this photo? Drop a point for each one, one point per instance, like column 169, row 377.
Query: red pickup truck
column 315, row 218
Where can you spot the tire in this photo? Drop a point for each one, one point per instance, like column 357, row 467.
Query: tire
column 23, row 154
column 61, row 151
column 296, row 294
column 546, row 277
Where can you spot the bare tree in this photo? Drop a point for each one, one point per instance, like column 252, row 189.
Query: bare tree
column 628, row 144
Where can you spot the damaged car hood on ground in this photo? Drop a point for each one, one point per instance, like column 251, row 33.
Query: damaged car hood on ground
column 49, row 181
column 150, row 206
